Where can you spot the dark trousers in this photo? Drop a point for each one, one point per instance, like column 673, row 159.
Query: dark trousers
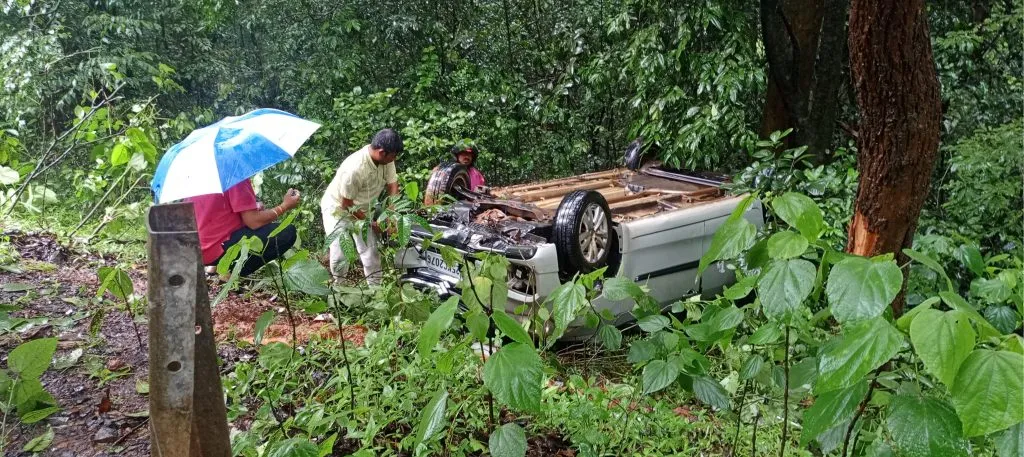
column 273, row 247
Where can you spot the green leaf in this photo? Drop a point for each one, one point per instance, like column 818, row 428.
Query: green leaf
column 943, row 340
column 29, row 360
column 988, row 391
column 863, row 347
column 970, row 256
column 261, row 326
column 651, row 324
column 731, row 238
column 478, row 324
column 641, row 351
column 924, row 427
column 119, row 155
column 801, row 213
column 985, row 329
column 309, row 277
column 620, row 288
column 38, row 415
column 751, row 367
column 903, row 323
column 513, row 375
column 609, row 336
column 741, row 289
column 710, row 392
column 658, row 375
column 294, row 447
column 831, row 409
column 40, row 443
column 860, row 288
column 929, row 262
column 766, row 334
column 786, row 245
column 993, row 290
column 16, row 287
column 432, row 417
column 436, row 324
column 1010, row 442
column 511, row 328
column 1003, row 318
column 509, row 440
column 8, row 176
column 566, row 303
column 116, row 281
column 784, row 286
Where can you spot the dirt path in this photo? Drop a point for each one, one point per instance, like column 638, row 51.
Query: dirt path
column 99, row 375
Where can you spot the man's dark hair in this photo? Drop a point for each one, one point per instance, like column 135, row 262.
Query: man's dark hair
column 388, row 140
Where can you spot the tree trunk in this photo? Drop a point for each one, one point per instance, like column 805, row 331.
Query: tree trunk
column 900, row 114
column 803, row 41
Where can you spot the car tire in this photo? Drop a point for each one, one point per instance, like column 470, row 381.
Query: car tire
column 583, row 234
column 446, row 180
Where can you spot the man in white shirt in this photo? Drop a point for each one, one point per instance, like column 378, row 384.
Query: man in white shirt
column 359, row 180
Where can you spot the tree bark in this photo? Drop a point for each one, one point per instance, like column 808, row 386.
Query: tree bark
column 803, row 42
column 898, row 133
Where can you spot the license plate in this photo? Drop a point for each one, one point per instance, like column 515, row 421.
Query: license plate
column 436, row 263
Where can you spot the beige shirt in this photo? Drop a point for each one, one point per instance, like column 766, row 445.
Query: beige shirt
column 358, row 179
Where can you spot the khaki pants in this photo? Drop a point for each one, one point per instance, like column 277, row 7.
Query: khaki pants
column 367, row 248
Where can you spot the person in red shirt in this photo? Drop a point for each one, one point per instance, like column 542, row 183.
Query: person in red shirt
column 224, row 219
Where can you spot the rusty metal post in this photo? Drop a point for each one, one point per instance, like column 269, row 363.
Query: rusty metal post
column 186, row 401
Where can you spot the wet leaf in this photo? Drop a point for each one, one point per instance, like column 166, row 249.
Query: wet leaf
column 514, row 375
column 658, row 375
column 731, row 238
column 860, row 288
column 511, row 328
column 988, row 391
column 801, row 213
column 943, row 340
column 432, row 418
column 862, row 347
column 509, row 440
column 784, row 286
column 830, row 409
column 29, row 360
column 924, row 427
column 40, row 443
column 436, row 324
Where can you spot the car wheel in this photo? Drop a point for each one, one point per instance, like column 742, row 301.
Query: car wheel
column 446, row 180
column 583, row 233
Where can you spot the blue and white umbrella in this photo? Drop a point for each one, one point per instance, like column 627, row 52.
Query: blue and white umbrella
column 214, row 158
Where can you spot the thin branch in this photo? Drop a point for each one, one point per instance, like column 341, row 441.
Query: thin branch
column 860, row 410
column 785, row 399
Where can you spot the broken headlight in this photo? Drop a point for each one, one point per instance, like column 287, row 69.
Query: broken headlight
column 521, row 279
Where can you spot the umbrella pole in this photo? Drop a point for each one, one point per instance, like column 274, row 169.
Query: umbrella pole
column 186, row 401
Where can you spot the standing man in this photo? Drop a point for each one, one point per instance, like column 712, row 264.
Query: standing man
column 359, row 180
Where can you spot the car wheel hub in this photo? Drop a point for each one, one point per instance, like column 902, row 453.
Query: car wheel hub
column 593, row 233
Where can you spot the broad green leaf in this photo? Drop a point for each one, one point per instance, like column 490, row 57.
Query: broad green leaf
column 620, row 288
column 609, row 336
column 119, row 155
column 784, row 286
column 40, row 443
column 432, row 417
column 294, row 447
column 437, row 323
column 924, row 427
column 567, row 301
column 943, row 340
column 831, row 409
column 8, row 176
column 116, row 281
column 1003, row 318
column 741, row 289
column 903, row 323
column 863, row 347
column 29, row 360
column 801, row 213
column 261, row 326
column 988, row 391
column 16, row 287
column 751, row 367
column 509, row 440
column 985, row 329
column 766, row 334
column 658, row 375
column 478, row 324
column 309, row 277
column 641, row 351
column 1010, row 442
column 513, row 375
column 757, row 255
column 511, row 328
column 710, row 392
column 651, row 324
column 931, row 263
column 993, row 290
column 38, row 415
column 860, row 288
column 731, row 238
column 970, row 256
column 786, row 245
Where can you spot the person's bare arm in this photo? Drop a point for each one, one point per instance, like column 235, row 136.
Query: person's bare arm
column 347, row 203
column 256, row 218
column 393, row 188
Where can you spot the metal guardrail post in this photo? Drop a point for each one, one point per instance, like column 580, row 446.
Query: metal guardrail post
column 186, row 401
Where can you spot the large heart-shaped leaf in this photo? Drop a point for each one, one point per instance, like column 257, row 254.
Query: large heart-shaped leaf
column 1003, row 318
column 29, row 360
column 710, row 392
column 863, row 347
column 860, row 288
column 785, row 245
column 831, row 409
column 658, row 375
column 784, row 285
column 509, row 440
column 801, row 213
column 308, row 277
column 988, row 391
column 731, row 238
column 943, row 341
column 514, row 375
column 924, row 427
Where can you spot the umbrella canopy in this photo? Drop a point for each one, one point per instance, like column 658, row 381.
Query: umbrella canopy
column 214, row 158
